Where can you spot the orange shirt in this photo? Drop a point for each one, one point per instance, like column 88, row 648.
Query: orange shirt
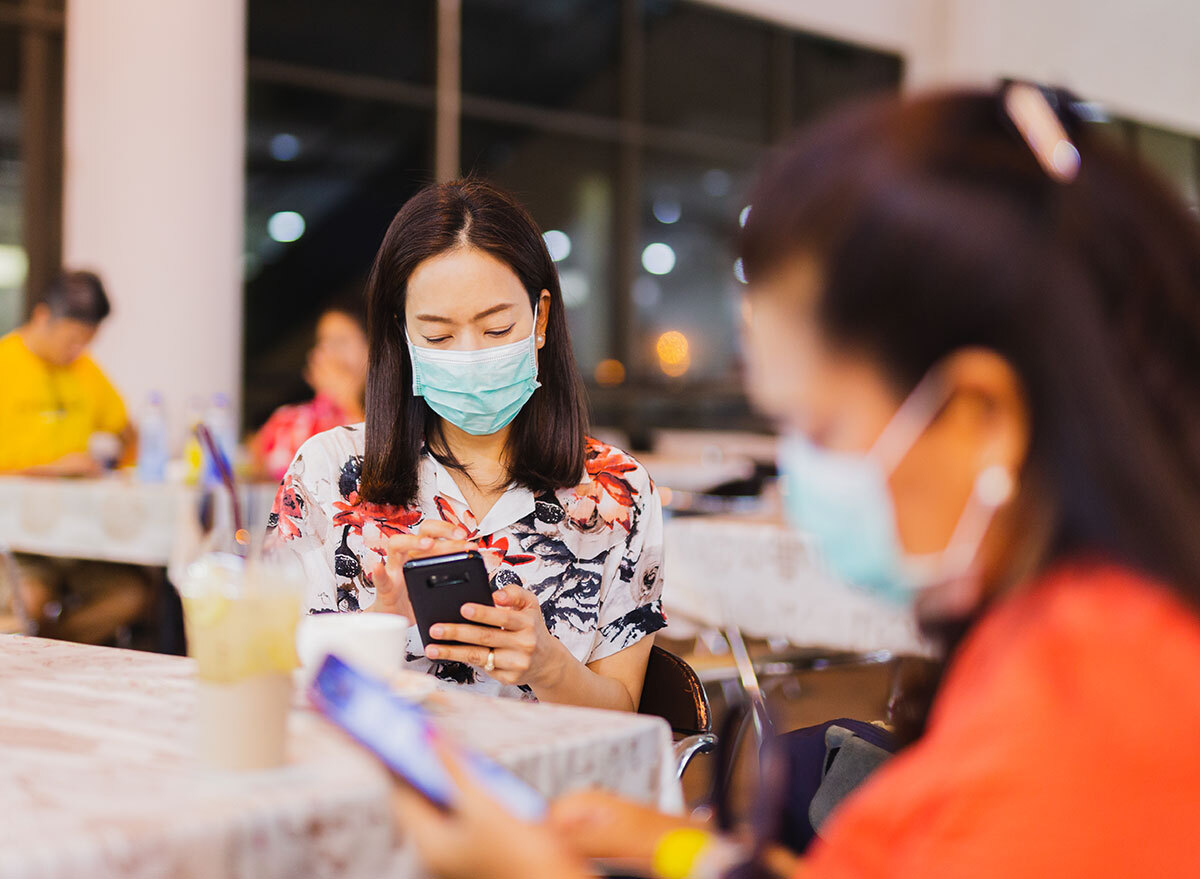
column 1065, row 742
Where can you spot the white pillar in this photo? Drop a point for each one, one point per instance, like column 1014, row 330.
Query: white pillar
column 155, row 120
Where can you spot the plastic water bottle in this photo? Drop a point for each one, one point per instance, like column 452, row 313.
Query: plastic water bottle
column 153, row 441
column 219, row 419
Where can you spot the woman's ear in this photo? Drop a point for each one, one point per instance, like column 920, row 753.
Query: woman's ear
column 543, row 318
column 1000, row 420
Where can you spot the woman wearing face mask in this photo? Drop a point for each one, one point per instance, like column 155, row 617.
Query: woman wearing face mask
column 980, row 323
column 337, row 373
column 475, row 438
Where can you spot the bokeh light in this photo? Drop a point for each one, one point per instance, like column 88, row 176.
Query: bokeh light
column 667, row 210
column 14, row 266
column 610, row 372
column 658, row 258
column 647, row 292
column 558, row 243
column 674, row 354
column 285, row 226
column 716, row 182
column 739, row 270
column 284, row 147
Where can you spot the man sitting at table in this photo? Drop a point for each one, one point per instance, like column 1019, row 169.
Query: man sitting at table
column 54, row 401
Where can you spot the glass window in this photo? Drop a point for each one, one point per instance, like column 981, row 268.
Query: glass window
column 387, row 39
column 329, row 163
column 706, row 71
column 325, row 176
column 828, row 72
column 1175, row 156
column 568, row 186
column 13, row 262
column 563, row 55
column 686, row 292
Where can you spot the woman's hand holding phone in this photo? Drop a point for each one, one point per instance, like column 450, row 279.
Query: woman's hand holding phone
column 596, row 824
column 478, row 838
column 524, row 650
column 434, row 537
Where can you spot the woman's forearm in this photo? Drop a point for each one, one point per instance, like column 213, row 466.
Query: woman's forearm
column 570, row 682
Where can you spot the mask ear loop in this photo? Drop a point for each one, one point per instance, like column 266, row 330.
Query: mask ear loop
column 535, row 352
column 911, row 420
column 402, row 327
column 993, row 488
column 994, row 485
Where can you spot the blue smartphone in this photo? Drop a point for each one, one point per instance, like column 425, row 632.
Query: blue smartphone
column 400, row 734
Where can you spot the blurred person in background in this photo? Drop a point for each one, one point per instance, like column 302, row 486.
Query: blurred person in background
column 337, row 373
column 54, row 398
column 61, row 416
column 476, row 439
column 978, row 322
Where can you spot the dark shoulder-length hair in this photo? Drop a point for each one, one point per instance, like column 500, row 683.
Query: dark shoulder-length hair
column 546, row 445
column 936, row 229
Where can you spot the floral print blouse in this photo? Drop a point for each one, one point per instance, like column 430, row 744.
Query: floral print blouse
column 591, row 553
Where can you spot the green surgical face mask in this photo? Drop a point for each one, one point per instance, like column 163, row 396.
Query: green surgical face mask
column 478, row 391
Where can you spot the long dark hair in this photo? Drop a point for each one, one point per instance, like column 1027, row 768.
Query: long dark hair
column 936, row 229
column 546, row 446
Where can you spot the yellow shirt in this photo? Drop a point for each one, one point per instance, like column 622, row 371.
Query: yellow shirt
column 48, row 411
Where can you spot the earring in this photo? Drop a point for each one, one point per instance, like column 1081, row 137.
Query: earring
column 541, row 340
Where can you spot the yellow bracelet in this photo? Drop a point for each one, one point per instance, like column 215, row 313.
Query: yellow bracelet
column 678, row 851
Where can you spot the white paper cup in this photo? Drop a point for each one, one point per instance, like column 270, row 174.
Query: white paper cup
column 372, row 642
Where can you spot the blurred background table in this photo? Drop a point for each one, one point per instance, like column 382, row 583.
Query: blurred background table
column 113, row 518
column 694, row 472
column 100, row 779
column 758, row 575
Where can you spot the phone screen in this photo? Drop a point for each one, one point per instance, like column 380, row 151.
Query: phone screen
column 399, row 733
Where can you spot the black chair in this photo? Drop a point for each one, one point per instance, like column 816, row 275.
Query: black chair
column 673, row 691
column 16, row 621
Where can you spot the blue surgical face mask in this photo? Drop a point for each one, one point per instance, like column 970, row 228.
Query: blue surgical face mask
column 478, row 391
column 841, row 502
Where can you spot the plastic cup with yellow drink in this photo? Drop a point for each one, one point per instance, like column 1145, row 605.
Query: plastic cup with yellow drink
column 241, row 621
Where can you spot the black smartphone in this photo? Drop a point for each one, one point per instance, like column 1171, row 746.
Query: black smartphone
column 439, row 586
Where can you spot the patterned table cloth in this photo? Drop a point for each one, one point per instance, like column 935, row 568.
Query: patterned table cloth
column 761, row 577
column 98, row 776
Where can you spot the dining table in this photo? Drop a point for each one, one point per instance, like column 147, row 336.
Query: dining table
column 99, row 773
column 112, row 518
column 757, row 575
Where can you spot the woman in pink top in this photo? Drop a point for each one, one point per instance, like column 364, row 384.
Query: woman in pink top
column 337, row 372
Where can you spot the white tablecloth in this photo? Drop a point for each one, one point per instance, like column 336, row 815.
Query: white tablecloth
column 114, row 519
column 98, row 777
column 759, row 576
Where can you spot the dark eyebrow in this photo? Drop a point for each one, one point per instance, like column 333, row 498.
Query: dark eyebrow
column 488, row 312
column 495, row 309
